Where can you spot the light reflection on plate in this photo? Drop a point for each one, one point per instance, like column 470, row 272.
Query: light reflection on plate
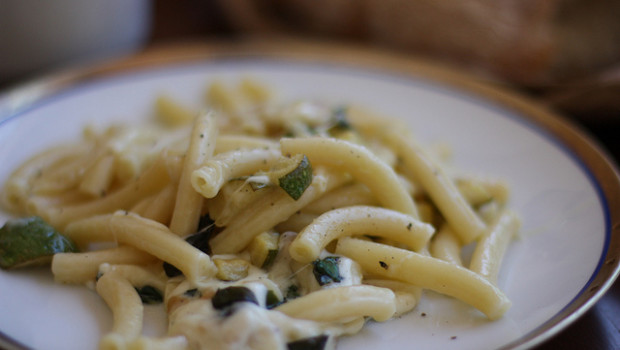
column 561, row 197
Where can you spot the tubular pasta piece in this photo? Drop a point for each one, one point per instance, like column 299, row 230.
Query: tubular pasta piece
column 141, row 206
column 466, row 224
column 160, row 209
column 146, row 235
column 345, row 196
column 234, row 197
column 17, row 188
column 214, row 173
column 83, row 267
column 138, row 276
column 172, row 113
column 446, row 246
column 227, row 143
column 491, row 247
column 428, row 273
column 342, row 303
column 97, row 179
column 359, row 220
column 296, row 222
column 360, row 162
column 148, row 183
column 123, row 299
column 188, row 204
column 479, row 191
column 406, row 295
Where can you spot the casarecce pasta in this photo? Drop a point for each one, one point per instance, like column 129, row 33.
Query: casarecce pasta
column 262, row 224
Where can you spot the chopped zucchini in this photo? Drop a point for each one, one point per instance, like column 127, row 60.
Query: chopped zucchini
column 227, row 297
column 320, row 342
column 292, row 292
column 30, row 241
column 326, row 270
column 339, row 120
column 264, row 249
column 272, row 300
column 231, row 269
column 149, row 295
column 294, row 175
column 192, row 293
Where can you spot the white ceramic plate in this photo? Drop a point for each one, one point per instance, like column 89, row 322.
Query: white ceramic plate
column 561, row 188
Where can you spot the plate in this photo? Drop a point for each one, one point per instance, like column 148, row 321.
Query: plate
column 564, row 187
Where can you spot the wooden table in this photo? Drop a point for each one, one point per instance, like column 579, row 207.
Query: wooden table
column 598, row 329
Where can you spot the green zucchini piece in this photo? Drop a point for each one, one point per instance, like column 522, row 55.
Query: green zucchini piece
column 200, row 240
column 231, row 269
column 264, row 249
column 296, row 176
column 31, row 241
column 227, row 297
column 320, row 342
column 149, row 295
column 292, row 292
column 272, row 300
column 326, row 270
column 340, row 120
column 192, row 293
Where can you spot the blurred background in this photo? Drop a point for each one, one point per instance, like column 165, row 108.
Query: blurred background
column 563, row 53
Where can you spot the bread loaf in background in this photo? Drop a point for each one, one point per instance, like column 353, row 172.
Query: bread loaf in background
column 532, row 43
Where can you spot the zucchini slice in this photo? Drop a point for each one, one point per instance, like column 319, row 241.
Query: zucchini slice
column 31, row 241
column 227, row 297
column 320, row 342
column 231, row 269
column 294, row 175
column 264, row 249
column 149, row 295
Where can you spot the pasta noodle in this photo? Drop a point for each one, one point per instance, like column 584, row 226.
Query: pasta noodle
column 358, row 220
column 187, row 207
column 428, row 273
column 263, row 224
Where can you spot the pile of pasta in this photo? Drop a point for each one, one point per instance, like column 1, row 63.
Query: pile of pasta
column 390, row 212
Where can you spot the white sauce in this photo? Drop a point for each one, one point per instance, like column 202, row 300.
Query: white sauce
column 247, row 325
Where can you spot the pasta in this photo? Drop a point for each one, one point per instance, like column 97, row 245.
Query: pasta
column 261, row 223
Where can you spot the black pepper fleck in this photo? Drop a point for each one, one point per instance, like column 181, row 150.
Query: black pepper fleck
column 383, row 264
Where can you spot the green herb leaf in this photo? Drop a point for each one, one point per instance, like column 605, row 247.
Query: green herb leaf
column 326, row 270
column 149, row 295
column 295, row 182
column 225, row 298
column 313, row 343
column 272, row 300
column 30, row 241
column 292, row 292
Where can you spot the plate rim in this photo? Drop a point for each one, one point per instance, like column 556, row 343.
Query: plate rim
column 584, row 149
